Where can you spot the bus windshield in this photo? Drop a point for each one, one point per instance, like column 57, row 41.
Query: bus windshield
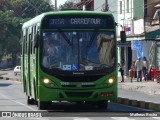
column 78, row 50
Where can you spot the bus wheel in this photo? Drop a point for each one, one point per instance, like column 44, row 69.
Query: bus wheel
column 42, row 105
column 30, row 101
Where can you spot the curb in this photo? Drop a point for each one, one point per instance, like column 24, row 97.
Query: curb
column 141, row 104
column 3, row 74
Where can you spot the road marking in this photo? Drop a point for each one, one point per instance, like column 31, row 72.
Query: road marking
column 38, row 118
column 122, row 118
column 18, row 102
column 158, row 118
column 78, row 118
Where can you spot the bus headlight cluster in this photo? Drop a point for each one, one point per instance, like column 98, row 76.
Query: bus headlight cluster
column 110, row 81
column 47, row 82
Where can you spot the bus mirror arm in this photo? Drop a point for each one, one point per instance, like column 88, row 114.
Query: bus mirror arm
column 36, row 41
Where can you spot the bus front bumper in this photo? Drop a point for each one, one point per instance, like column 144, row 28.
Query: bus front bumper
column 75, row 95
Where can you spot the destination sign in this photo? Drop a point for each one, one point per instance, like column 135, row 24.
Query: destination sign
column 78, row 22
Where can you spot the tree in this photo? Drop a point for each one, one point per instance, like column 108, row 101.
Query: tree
column 12, row 14
column 68, row 5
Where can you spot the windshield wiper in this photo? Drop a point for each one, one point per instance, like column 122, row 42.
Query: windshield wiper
column 65, row 37
column 92, row 38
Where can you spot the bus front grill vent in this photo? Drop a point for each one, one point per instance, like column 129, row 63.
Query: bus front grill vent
column 78, row 94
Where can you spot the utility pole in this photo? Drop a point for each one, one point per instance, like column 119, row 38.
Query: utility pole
column 55, row 5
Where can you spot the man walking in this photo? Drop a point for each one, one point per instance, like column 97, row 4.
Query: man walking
column 139, row 65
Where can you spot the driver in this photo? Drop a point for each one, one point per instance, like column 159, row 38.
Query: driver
column 51, row 51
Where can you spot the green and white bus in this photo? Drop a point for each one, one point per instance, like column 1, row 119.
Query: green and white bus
column 70, row 56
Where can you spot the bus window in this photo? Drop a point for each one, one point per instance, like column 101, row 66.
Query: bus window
column 30, row 42
column 34, row 33
column 63, row 51
column 26, row 42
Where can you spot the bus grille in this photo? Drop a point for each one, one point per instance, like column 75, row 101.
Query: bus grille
column 74, row 86
column 78, row 94
column 79, row 79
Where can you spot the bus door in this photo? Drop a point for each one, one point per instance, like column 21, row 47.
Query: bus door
column 27, row 62
column 32, row 61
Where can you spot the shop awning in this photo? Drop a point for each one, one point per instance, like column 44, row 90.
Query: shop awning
column 153, row 35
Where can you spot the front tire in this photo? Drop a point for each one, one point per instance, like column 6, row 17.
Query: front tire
column 42, row 105
column 30, row 101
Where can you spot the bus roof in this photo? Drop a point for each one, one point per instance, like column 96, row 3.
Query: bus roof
column 39, row 18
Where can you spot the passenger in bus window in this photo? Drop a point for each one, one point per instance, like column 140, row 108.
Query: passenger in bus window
column 45, row 58
column 51, row 52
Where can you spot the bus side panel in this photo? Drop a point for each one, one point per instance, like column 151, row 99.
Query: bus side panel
column 22, row 59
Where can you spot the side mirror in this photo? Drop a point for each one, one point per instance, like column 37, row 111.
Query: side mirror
column 123, row 36
column 35, row 39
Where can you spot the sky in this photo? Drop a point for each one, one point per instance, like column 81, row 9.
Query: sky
column 60, row 2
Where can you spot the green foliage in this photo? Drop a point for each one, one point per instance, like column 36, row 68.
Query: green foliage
column 13, row 13
column 67, row 5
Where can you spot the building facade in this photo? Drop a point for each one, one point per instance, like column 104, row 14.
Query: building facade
column 89, row 4
column 140, row 19
column 132, row 15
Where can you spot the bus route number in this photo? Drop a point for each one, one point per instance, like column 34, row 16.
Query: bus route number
column 64, row 83
column 57, row 21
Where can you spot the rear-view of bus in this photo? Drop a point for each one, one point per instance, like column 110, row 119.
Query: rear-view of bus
column 70, row 56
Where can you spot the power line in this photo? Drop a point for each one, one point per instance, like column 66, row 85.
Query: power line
column 84, row 3
column 87, row 2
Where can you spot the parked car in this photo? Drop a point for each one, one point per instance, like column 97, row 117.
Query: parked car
column 17, row 70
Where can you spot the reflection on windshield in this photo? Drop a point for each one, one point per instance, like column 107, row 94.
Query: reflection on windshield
column 105, row 48
column 78, row 51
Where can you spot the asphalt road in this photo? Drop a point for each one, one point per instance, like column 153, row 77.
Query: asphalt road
column 13, row 99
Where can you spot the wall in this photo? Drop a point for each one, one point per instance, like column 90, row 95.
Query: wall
column 126, row 16
column 138, row 9
column 146, row 45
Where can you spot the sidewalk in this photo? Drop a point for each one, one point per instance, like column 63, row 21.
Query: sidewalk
column 4, row 75
column 147, row 87
column 145, row 94
column 2, row 72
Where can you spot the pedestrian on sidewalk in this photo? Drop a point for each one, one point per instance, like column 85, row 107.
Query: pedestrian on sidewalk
column 121, row 69
column 132, row 70
column 145, row 67
column 139, row 65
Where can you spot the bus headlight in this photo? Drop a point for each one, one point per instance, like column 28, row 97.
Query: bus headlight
column 110, row 80
column 47, row 82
